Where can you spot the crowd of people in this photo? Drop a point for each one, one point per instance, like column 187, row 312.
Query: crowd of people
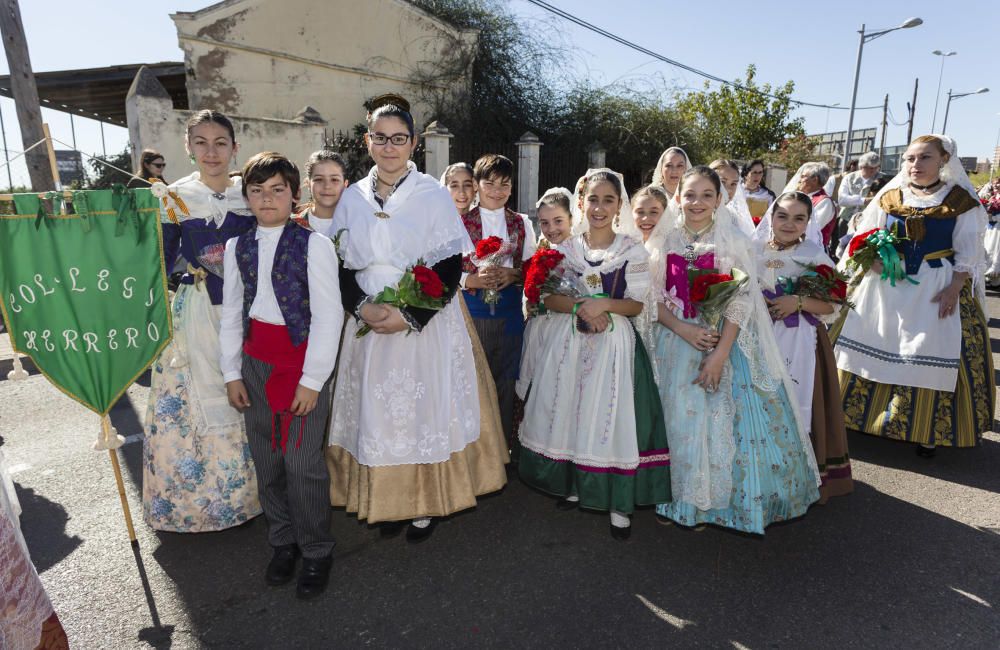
column 399, row 345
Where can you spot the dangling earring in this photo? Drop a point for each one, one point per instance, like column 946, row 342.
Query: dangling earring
column 617, row 221
column 191, row 158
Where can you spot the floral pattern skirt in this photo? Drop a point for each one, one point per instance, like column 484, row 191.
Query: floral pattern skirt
column 195, row 478
column 931, row 417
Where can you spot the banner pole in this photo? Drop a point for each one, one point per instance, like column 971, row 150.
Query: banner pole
column 106, row 426
column 53, row 165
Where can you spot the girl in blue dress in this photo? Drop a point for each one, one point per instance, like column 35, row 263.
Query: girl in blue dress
column 740, row 458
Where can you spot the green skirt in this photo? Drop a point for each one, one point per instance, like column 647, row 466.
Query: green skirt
column 603, row 488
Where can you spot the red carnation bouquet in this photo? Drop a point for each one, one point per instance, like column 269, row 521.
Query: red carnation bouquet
column 823, row 282
column 537, row 271
column 491, row 252
column 420, row 286
column 879, row 244
column 992, row 204
column 711, row 292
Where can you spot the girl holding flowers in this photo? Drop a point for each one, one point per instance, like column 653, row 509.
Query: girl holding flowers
column 406, row 442
column 555, row 220
column 739, row 457
column 593, row 430
column 804, row 291
column 914, row 356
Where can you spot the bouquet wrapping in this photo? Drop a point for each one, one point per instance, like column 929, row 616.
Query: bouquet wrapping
column 420, row 286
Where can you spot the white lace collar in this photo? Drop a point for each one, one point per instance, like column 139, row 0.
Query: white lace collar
column 202, row 202
column 623, row 249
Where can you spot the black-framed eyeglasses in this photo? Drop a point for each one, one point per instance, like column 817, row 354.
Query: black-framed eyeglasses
column 397, row 139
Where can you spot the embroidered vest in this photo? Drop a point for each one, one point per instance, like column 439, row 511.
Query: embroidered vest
column 473, row 222
column 827, row 231
column 929, row 230
column 289, row 278
column 302, row 219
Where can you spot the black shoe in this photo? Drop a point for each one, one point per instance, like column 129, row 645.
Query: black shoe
column 926, row 452
column 416, row 535
column 313, row 577
column 388, row 529
column 566, row 505
column 664, row 521
column 281, row 568
column 621, row 534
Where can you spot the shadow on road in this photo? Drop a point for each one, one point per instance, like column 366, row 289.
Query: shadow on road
column 43, row 523
column 974, row 466
column 864, row 570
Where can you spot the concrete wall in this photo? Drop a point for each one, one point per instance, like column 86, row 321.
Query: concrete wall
column 268, row 58
column 153, row 123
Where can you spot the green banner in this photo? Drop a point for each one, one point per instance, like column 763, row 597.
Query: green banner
column 85, row 294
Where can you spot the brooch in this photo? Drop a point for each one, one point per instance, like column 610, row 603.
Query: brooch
column 382, row 215
column 593, row 280
column 774, row 264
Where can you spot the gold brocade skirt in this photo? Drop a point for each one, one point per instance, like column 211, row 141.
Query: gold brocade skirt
column 401, row 492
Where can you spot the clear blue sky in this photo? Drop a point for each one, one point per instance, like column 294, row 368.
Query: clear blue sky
column 813, row 44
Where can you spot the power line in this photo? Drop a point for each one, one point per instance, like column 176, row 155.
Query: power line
column 711, row 77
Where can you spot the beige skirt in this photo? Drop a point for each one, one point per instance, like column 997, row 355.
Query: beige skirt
column 400, row 492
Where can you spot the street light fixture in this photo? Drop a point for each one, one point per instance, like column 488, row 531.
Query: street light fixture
column 944, row 127
column 937, row 97
column 909, row 22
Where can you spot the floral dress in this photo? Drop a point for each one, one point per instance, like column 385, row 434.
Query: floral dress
column 197, row 472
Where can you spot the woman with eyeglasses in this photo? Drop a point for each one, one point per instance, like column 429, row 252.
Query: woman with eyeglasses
column 151, row 166
column 406, row 439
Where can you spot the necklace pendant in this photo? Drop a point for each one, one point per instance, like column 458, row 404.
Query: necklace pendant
column 382, row 215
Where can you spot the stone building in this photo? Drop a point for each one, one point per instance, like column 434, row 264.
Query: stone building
column 292, row 72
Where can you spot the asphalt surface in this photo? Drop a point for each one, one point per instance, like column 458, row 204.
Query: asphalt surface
column 910, row 560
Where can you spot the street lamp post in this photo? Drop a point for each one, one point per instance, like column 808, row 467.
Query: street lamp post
column 826, row 128
column 937, row 97
column 944, row 127
column 909, row 22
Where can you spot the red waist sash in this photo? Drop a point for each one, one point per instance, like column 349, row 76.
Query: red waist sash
column 272, row 345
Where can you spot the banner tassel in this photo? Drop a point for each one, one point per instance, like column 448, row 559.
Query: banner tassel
column 18, row 373
column 108, row 438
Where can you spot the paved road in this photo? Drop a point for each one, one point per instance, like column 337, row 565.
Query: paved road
column 909, row 560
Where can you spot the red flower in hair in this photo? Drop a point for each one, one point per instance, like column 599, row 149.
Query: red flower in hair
column 859, row 242
column 429, row 281
column 488, row 246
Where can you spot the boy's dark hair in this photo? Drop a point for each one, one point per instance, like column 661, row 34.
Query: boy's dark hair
column 266, row 164
column 493, row 165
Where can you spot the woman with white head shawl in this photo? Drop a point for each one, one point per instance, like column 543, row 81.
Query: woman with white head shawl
column 739, row 457
column 555, row 220
column 593, row 431
column 671, row 166
column 914, row 354
column 457, row 179
column 734, row 197
column 788, row 244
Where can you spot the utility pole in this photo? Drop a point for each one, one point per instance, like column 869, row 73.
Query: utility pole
column 885, row 125
column 913, row 111
column 25, row 92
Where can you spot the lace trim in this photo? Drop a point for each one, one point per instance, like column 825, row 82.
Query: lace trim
column 415, row 326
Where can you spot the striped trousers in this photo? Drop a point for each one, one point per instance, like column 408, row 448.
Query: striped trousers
column 294, row 487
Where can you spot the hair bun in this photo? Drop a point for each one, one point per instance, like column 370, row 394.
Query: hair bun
column 379, row 101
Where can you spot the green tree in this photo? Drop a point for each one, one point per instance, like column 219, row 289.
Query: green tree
column 795, row 151
column 740, row 122
column 105, row 176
